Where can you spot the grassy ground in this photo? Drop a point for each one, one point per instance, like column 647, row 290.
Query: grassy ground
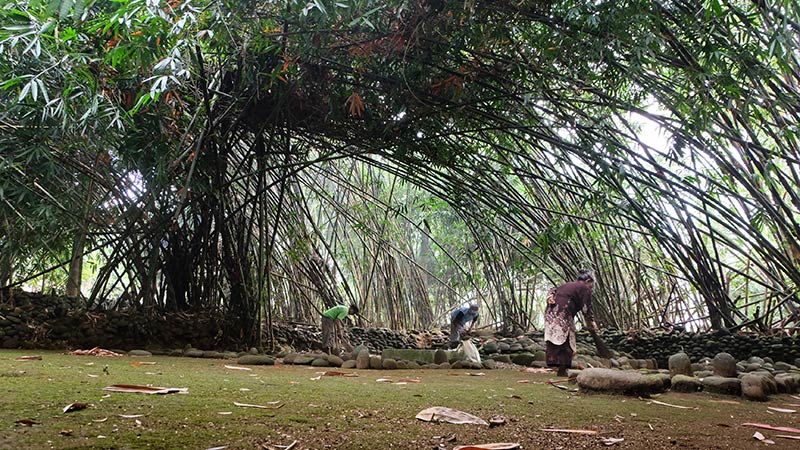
column 343, row 413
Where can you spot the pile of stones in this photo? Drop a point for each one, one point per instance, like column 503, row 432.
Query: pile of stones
column 662, row 344
column 389, row 359
column 754, row 378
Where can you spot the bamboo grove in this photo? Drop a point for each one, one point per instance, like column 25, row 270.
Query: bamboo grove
column 269, row 159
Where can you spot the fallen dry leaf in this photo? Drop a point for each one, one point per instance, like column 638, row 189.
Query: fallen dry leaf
column 131, row 416
column 131, row 388
column 760, row 437
column 782, row 410
column 611, row 441
column 91, row 375
column 335, row 373
column 29, row 358
column 671, row 405
column 246, row 405
column 143, row 363
column 443, row 414
column 77, row 406
column 27, row 422
column 479, row 374
column 562, row 430
column 65, row 432
column 217, row 448
column 728, row 402
column 384, row 380
column 409, row 380
column 100, row 420
column 97, row 351
column 237, row 368
column 225, row 413
column 492, row 446
column 770, row 427
column 536, row 370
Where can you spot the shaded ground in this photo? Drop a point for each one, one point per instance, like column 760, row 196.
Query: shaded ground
column 345, row 413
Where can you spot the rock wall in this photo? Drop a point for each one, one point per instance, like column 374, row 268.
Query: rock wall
column 33, row 320
column 41, row 321
column 661, row 345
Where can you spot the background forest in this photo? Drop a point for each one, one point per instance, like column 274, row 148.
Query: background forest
column 268, row 159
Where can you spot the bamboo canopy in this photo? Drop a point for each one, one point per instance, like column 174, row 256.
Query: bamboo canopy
column 271, row 159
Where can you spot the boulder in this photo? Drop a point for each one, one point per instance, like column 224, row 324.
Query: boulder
column 787, row 383
column 304, row 360
column 724, row 365
column 490, row 347
column 349, row 364
column 722, row 385
column 255, row 360
column 375, row 363
column 753, row 387
column 609, row 380
column 523, row 359
column 680, row 364
column 489, row 364
column 502, row 358
column 334, row 360
column 362, row 360
column 289, row 358
column 140, row 353
column 440, row 356
column 193, row 353
column 389, row 364
column 684, row 383
column 320, row 362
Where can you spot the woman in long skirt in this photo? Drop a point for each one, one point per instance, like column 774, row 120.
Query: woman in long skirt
column 563, row 303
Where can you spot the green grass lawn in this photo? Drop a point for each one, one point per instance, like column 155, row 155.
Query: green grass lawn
column 340, row 412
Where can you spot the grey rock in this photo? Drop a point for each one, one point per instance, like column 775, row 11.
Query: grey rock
column 753, row 387
column 349, row 364
column 722, row 385
column 194, row 353
column 724, row 365
column 523, row 359
column 489, row 364
column 334, row 360
column 684, row 383
column 630, row 383
column 440, row 356
column 140, row 353
column 680, row 364
column 253, row 351
column 320, row 362
column 490, row 348
column 255, row 360
column 402, row 364
column 703, row 373
column 304, row 360
column 755, row 360
column 213, row 354
column 503, row 347
column 780, row 365
column 362, row 360
column 444, row 365
column 540, row 355
column 389, row 364
column 502, row 358
column 289, row 358
column 375, row 363
column 788, row 383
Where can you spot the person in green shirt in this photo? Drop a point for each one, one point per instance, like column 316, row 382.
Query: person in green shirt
column 333, row 328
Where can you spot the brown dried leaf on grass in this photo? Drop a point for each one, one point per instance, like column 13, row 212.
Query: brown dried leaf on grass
column 97, row 351
column 143, row 363
column 27, row 422
column 611, row 441
column 29, row 358
column 132, row 388
column 247, row 405
column 237, row 368
column 77, row 406
column 492, row 446
column 336, row 373
column 449, row 415
column 564, row 430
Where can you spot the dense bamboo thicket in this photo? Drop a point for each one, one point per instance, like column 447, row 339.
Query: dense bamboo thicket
column 271, row 159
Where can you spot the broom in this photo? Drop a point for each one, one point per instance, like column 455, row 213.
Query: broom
column 602, row 348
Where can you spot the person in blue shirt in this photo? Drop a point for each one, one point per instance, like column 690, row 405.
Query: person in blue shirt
column 461, row 322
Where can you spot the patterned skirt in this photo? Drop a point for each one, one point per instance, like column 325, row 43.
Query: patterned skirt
column 559, row 355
